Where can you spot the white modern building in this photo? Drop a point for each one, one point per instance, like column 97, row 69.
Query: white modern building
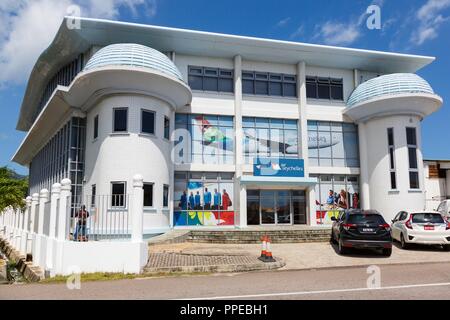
column 253, row 131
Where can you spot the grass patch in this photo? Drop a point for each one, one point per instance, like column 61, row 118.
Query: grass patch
column 102, row 276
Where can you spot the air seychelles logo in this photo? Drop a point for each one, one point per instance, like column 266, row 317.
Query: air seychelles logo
column 279, row 167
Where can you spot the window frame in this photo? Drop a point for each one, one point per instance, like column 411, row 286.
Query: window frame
column 413, row 171
column 392, row 159
column 165, row 202
column 124, row 183
column 96, row 127
column 331, row 82
column 221, row 75
column 143, row 110
column 268, row 78
column 166, row 119
column 114, row 120
column 152, row 184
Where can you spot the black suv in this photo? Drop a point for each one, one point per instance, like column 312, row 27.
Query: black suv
column 361, row 229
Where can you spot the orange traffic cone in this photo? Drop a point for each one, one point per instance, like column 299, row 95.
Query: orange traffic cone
column 269, row 257
column 263, row 249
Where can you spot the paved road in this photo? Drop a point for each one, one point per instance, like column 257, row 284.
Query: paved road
column 419, row 281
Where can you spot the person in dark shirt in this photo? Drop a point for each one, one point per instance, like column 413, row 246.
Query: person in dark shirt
column 191, row 203
column 82, row 215
column 183, row 201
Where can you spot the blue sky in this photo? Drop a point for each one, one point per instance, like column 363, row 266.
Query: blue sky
column 408, row 26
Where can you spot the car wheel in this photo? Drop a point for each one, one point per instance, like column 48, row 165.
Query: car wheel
column 446, row 247
column 387, row 252
column 342, row 250
column 403, row 243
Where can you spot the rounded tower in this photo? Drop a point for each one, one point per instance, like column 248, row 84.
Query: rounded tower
column 130, row 93
column 389, row 110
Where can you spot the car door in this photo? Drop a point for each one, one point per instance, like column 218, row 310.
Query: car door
column 337, row 224
column 400, row 224
column 394, row 226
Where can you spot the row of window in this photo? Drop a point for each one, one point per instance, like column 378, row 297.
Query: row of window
column 411, row 141
column 119, row 198
column 120, row 122
column 264, row 83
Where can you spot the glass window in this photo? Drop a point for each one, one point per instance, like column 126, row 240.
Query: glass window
column 120, row 120
column 212, row 138
column 269, row 84
column 211, row 79
column 411, row 139
column 148, row 122
column 411, row 136
column 118, row 194
column 93, row 195
column 264, row 137
column 165, row 196
column 148, row 194
column 324, row 88
column 333, row 144
column 166, row 128
column 96, row 127
column 414, row 180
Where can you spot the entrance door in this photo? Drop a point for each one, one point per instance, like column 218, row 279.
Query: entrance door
column 276, row 207
column 268, row 207
column 283, row 207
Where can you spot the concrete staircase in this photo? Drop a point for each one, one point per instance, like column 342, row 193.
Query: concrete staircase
column 254, row 236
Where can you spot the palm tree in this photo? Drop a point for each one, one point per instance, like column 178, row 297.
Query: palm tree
column 13, row 189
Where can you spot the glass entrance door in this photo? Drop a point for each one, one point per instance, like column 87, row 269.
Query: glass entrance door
column 267, row 207
column 276, row 207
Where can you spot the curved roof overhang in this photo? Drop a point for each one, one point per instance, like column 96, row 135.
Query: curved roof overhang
column 419, row 104
column 90, row 86
column 69, row 43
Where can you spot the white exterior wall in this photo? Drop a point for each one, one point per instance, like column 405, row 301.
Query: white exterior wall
column 382, row 198
column 118, row 157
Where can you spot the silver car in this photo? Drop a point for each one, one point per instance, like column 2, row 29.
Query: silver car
column 421, row 227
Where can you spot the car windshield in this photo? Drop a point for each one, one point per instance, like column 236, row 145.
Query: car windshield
column 361, row 218
column 427, row 218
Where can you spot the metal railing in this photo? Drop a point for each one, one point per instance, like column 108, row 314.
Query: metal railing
column 99, row 218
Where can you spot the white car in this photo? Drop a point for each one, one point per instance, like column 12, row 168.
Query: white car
column 421, row 227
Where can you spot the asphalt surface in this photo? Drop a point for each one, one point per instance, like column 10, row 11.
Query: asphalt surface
column 411, row 281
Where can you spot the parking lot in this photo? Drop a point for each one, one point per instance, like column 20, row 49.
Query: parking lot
column 314, row 255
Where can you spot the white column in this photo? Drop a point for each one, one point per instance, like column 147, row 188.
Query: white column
column 365, row 190
column 38, row 254
column 303, row 121
column 137, row 209
column 56, row 190
column 61, row 236
column 43, row 198
column 26, row 225
column 34, row 202
column 311, row 206
column 239, row 194
column 63, row 213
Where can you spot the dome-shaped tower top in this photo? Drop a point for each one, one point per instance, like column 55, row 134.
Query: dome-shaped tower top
column 391, row 84
column 130, row 54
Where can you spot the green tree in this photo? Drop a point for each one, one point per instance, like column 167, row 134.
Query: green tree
column 13, row 189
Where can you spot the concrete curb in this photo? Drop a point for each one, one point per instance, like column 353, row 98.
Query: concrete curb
column 30, row 273
column 258, row 266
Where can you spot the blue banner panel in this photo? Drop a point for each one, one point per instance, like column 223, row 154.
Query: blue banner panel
column 274, row 167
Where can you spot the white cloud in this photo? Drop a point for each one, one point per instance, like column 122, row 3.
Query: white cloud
column 283, row 22
column 297, row 33
column 338, row 33
column 27, row 27
column 430, row 18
